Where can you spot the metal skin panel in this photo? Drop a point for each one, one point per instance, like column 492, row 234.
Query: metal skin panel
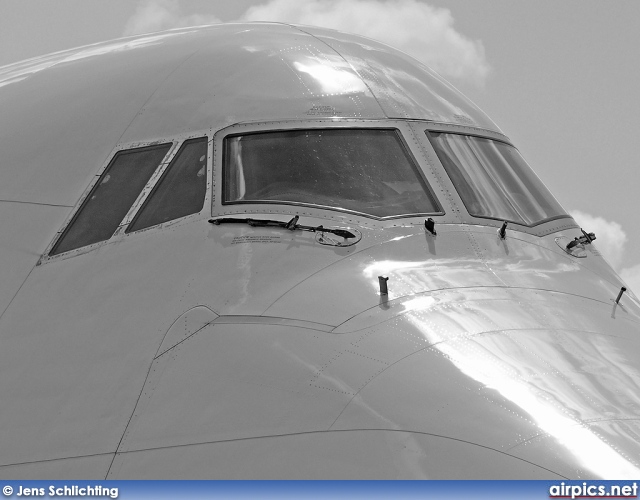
column 394, row 377
column 365, row 454
column 415, row 262
column 520, row 370
column 22, row 243
column 64, row 113
column 403, row 87
column 270, row 72
column 194, row 350
column 84, row 302
column 92, row 467
column 193, row 393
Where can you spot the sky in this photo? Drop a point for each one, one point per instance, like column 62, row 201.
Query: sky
column 560, row 78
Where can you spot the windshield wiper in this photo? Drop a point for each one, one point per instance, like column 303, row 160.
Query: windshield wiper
column 585, row 239
column 292, row 225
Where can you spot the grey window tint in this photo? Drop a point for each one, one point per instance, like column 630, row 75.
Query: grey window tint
column 111, row 197
column 180, row 191
column 364, row 170
column 493, row 180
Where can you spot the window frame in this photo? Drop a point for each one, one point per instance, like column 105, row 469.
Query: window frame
column 119, row 234
column 503, row 140
column 161, row 172
column 273, row 127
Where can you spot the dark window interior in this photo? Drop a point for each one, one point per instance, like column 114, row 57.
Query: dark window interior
column 363, row 170
column 181, row 190
column 111, row 198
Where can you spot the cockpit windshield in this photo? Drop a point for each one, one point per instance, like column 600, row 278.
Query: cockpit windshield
column 493, row 180
column 363, row 170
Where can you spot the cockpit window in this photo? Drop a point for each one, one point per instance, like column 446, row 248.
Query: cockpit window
column 180, row 191
column 493, row 180
column 362, row 170
column 111, row 198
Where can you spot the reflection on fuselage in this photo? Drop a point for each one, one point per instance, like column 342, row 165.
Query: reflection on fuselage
column 492, row 358
column 170, row 347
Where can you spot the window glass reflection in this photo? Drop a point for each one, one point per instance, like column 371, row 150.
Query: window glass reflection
column 493, row 180
column 363, row 170
column 180, row 191
column 111, row 198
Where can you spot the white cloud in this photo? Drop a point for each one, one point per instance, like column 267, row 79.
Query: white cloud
column 158, row 15
column 420, row 30
column 610, row 237
column 631, row 276
column 423, row 31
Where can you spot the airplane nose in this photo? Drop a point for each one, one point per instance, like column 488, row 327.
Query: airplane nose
column 476, row 382
column 306, row 403
column 553, row 376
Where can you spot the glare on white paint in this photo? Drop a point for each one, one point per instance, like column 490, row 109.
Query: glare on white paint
column 422, row 31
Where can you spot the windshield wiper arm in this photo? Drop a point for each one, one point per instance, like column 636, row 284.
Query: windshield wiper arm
column 292, row 225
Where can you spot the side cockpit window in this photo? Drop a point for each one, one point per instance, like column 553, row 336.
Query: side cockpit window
column 493, row 180
column 111, row 198
column 128, row 190
column 368, row 171
column 181, row 190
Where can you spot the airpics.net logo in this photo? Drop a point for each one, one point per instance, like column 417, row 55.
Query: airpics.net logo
column 588, row 490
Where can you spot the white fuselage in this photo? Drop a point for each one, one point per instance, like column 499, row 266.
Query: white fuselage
column 189, row 349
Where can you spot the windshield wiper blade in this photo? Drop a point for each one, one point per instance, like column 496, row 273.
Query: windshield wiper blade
column 291, row 225
column 251, row 222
